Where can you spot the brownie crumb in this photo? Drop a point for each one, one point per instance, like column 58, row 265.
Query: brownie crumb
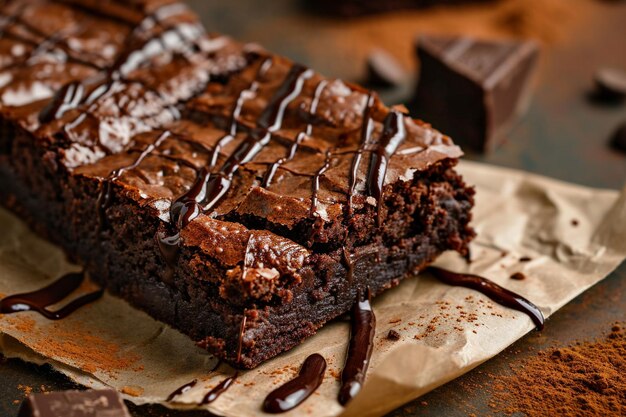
column 518, row 276
column 393, row 335
column 133, row 391
column 525, row 259
column 574, row 222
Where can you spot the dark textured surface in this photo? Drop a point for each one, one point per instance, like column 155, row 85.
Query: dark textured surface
column 564, row 135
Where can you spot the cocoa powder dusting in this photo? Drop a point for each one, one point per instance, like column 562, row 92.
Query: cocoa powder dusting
column 87, row 351
column 586, row 378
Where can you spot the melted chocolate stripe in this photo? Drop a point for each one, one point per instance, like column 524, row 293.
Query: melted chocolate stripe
column 359, row 350
column 40, row 299
column 209, row 189
column 492, row 290
column 392, row 136
column 236, row 112
column 242, row 330
column 291, row 394
column 315, row 185
column 104, row 199
column 269, row 175
column 367, row 126
column 219, row 389
column 181, row 390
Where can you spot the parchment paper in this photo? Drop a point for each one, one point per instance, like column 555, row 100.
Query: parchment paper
column 575, row 236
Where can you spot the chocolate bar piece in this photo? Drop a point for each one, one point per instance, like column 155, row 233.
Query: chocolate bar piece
column 91, row 403
column 237, row 196
column 474, row 90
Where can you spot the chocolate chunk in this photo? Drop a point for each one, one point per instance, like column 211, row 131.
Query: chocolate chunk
column 393, row 335
column 618, row 140
column 518, row 276
column 525, row 259
column 92, row 403
column 474, row 90
column 383, row 70
column 610, row 84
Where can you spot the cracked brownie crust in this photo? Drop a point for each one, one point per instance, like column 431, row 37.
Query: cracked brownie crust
column 237, row 196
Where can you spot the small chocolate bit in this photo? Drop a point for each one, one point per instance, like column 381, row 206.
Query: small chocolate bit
column 393, row 335
column 574, row 222
column 92, row 403
column 618, row 140
column 518, row 276
column 474, row 90
column 383, row 70
column 610, row 84
column 525, row 259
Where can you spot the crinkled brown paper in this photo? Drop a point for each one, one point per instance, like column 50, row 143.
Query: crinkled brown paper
column 575, row 236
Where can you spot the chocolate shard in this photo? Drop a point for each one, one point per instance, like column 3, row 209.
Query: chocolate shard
column 474, row 90
column 92, row 403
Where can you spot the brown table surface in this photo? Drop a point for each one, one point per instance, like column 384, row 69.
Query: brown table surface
column 563, row 135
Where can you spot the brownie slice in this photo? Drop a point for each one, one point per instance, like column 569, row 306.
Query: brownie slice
column 237, row 196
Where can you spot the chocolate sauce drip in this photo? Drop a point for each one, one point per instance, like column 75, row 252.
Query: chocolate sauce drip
column 242, row 330
column 291, row 152
column 367, row 126
column 209, row 189
column 315, row 184
column 492, row 290
column 219, row 389
column 392, row 136
column 293, row 393
column 347, row 259
column 181, row 390
column 104, row 199
column 52, row 294
column 359, row 350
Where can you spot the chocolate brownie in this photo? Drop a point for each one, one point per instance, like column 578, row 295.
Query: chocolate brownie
column 237, row 196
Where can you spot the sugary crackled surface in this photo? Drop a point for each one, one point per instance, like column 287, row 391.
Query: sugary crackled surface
column 171, row 93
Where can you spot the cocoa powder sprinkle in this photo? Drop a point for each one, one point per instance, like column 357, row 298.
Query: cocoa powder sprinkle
column 586, row 378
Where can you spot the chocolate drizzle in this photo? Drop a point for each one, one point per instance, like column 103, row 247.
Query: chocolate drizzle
column 52, row 294
column 492, row 290
column 104, row 199
column 360, row 349
column 392, row 136
column 181, row 390
column 367, row 126
column 294, row 392
column 269, row 175
column 219, row 389
column 209, row 189
column 242, row 330
column 315, row 185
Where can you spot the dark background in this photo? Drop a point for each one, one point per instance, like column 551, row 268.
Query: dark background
column 564, row 135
